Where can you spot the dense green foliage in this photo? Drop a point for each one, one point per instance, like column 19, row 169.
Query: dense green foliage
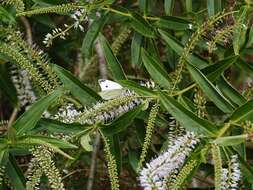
column 179, row 114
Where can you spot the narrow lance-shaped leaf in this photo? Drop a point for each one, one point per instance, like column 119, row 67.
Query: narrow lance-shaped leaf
column 213, row 7
column 92, row 34
column 28, row 120
column 188, row 6
column 230, row 92
column 245, row 66
column 210, row 90
column 29, row 139
column 231, row 140
column 136, row 49
column 47, row 142
column 213, row 71
column 240, row 31
column 83, row 93
column 4, row 154
column 144, row 6
column 7, row 86
column 53, row 126
column 188, row 119
column 173, row 23
column 242, row 112
column 14, row 174
column 141, row 25
column 178, row 48
column 168, row 6
column 155, row 69
column 112, row 62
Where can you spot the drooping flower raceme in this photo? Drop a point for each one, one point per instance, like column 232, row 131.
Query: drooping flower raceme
column 22, row 83
column 79, row 16
column 224, row 179
column 231, row 175
column 156, row 172
column 67, row 114
column 235, row 172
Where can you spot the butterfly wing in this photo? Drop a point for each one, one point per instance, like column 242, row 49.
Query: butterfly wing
column 109, row 89
column 108, row 85
column 111, row 94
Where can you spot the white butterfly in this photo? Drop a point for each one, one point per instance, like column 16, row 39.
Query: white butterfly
column 108, row 85
column 110, row 89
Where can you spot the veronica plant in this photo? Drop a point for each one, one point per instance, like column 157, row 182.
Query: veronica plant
column 173, row 106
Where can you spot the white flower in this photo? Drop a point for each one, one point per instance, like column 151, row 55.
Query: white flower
column 67, row 114
column 235, row 172
column 156, row 172
column 22, row 82
column 48, row 39
column 79, row 16
column 231, row 176
column 224, row 179
column 108, row 116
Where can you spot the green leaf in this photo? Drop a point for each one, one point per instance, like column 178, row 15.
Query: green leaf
column 51, row 143
column 245, row 66
column 39, row 139
column 231, row 140
column 213, row 7
column 7, row 86
column 241, row 113
column 92, row 34
column 247, row 170
column 4, row 156
column 136, row 49
column 141, row 25
column 144, row 6
column 14, row 174
column 85, row 141
column 231, row 93
column 155, row 69
column 112, row 62
column 83, row 93
column 210, row 90
column 188, row 6
column 121, row 123
column 179, row 48
column 168, row 6
column 250, row 40
column 133, row 159
column 239, row 38
column 53, row 126
column 173, row 23
column 7, row 16
column 188, row 119
column 28, row 120
column 152, row 49
column 141, row 90
column 213, row 71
